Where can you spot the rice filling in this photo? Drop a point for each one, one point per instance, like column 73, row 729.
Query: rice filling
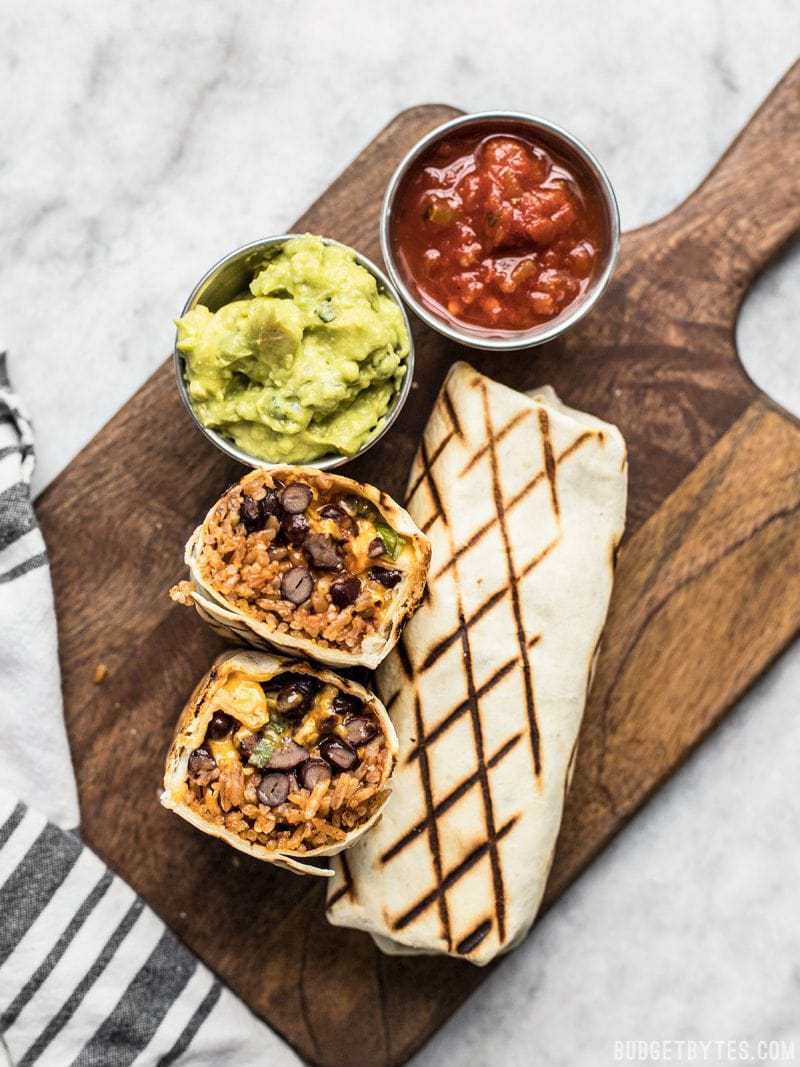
column 293, row 763
column 305, row 559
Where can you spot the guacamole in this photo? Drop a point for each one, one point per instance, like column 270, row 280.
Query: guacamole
column 305, row 364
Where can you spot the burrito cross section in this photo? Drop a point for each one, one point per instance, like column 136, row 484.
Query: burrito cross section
column 307, row 562
column 281, row 759
column 523, row 500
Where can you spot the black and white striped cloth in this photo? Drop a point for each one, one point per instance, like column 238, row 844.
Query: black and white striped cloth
column 89, row 975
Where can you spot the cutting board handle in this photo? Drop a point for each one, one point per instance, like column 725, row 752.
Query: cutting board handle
column 749, row 205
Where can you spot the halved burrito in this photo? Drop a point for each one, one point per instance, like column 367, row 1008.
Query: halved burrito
column 309, row 563
column 524, row 502
column 283, row 760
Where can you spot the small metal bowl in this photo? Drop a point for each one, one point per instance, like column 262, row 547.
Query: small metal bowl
column 227, row 280
column 564, row 145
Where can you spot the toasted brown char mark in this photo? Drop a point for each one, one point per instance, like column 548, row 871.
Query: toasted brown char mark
column 433, row 827
column 444, row 643
column 537, row 559
column 347, row 888
column 447, row 802
column 579, row 441
column 427, row 470
column 461, row 708
column 405, row 660
column 516, row 606
column 483, row 780
column 549, row 459
column 477, row 727
column 473, row 939
column 451, row 411
column 420, row 478
column 502, row 433
column 512, row 503
column 462, row 867
column 390, row 703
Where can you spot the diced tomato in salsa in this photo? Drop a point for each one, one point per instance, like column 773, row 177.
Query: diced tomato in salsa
column 496, row 231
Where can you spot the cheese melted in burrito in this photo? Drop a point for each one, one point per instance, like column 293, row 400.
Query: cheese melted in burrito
column 524, row 502
column 281, row 759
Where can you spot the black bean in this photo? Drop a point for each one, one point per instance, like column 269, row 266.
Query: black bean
column 307, row 682
column 346, row 524
column 201, row 760
column 273, row 789
column 324, row 552
column 296, row 498
column 327, row 725
column 360, row 730
column 332, row 511
column 346, row 704
column 297, row 585
column 247, row 742
column 220, row 726
column 271, row 504
column 288, row 757
column 295, row 528
column 388, row 578
column 376, row 548
column 345, row 591
column 292, row 699
column 338, row 754
column 313, row 772
column 250, row 515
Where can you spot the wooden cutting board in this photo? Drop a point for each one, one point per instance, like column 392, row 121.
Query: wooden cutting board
column 707, row 593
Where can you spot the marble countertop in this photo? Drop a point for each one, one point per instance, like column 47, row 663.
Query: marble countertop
column 143, row 140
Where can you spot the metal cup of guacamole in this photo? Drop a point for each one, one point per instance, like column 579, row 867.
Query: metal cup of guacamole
column 294, row 349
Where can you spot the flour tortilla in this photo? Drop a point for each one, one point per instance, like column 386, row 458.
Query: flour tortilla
column 234, row 624
column 191, row 730
column 525, row 508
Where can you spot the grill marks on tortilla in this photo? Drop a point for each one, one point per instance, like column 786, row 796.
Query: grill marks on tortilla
column 427, row 462
column 520, row 495
column 479, row 776
column 433, row 831
column 347, row 888
column 512, row 423
column 451, row 411
column 450, row 879
column 442, row 646
column 492, row 838
column 485, row 786
column 516, row 606
column 438, row 507
column 448, row 801
column 454, row 715
column 474, row 938
column 547, row 452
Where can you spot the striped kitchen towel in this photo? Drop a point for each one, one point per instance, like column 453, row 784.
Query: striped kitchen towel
column 88, row 974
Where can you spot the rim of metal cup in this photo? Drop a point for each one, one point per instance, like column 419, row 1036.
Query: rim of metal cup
column 331, row 460
column 507, row 341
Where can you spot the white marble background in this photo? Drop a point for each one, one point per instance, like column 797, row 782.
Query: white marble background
column 139, row 141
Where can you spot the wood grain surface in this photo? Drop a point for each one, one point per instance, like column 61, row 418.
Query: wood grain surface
column 707, row 594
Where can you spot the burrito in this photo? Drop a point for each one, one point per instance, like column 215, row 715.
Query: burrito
column 309, row 563
column 283, row 760
column 524, row 502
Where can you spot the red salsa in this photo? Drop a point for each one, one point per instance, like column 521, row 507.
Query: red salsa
column 496, row 231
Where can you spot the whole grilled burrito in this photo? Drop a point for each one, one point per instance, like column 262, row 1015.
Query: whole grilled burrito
column 523, row 499
column 280, row 758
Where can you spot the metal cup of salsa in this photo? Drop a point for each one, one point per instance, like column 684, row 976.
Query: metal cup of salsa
column 500, row 230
